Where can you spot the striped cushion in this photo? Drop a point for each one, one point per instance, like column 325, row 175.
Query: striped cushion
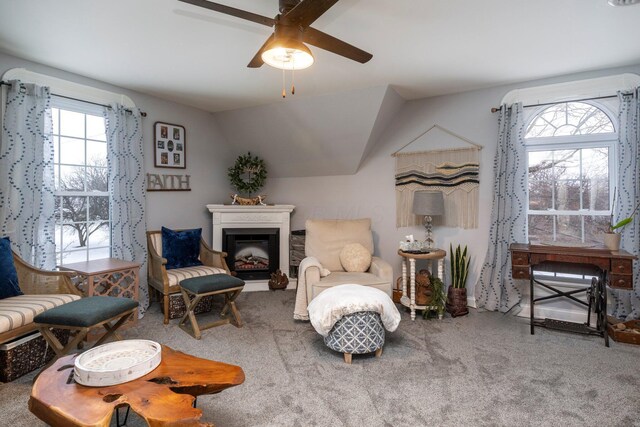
column 156, row 241
column 19, row 311
column 177, row 274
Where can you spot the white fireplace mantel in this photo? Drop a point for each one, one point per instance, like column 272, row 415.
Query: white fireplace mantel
column 242, row 216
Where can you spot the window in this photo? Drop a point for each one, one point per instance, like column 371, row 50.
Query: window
column 83, row 225
column 570, row 154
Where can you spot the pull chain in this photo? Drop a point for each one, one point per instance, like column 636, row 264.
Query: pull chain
column 284, row 94
column 293, row 87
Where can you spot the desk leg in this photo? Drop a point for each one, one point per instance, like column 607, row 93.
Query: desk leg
column 531, row 298
column 412, row 272
column 440, row 263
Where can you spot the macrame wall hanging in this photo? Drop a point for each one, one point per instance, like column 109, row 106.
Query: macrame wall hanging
column 454, row 172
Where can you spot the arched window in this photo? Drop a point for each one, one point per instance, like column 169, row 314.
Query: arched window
column 570, row 118
column 570, row 154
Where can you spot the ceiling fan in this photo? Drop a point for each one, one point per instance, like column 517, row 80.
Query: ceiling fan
column 285, row 48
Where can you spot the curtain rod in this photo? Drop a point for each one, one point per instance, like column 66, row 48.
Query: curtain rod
column 142, row 113
column 496, row 109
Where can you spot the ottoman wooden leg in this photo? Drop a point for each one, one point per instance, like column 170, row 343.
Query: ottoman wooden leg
column 347, row 358
column 379, row 352
column 190, row 315
column 230, row 305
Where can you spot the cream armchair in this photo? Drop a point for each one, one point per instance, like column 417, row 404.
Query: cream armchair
column 166, row 282
column 322, row 269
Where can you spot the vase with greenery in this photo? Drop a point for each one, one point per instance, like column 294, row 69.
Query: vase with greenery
column 457, row 293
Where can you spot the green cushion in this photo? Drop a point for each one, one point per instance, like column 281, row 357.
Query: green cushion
column 86, row 312
column 211, row 283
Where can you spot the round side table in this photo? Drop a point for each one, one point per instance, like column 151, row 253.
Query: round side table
column 409, row 300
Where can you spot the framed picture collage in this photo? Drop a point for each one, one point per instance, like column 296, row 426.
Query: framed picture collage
column 170, row 146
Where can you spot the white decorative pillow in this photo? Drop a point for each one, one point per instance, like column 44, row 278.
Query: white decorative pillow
column 355, row 258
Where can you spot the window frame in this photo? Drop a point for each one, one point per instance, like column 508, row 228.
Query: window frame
column 85, row 108
column 607, row 140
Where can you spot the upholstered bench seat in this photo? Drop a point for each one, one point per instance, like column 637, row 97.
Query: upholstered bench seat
column 196, row 288
column 20, row 310
column 81, row 315
column 177, row 275
column 87, row 311
column 214, row 282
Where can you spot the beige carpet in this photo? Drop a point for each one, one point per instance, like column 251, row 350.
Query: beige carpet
column 481, row 369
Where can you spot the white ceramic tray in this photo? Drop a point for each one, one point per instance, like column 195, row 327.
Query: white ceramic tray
column 117, row 362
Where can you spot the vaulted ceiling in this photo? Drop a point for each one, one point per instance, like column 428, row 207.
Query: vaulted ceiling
column 198, row 57
column 422, row 48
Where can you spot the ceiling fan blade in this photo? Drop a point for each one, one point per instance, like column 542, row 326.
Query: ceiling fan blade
column 332, row 44
column 307, row 11
column 256, row 61
column 238, row 13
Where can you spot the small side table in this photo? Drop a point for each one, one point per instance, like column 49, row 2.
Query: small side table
column 409, row 300
column 109, row 277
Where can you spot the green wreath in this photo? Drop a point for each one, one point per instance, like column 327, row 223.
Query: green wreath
column 248, row 174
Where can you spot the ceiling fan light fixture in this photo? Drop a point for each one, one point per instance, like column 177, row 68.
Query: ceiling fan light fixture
column 288, row 54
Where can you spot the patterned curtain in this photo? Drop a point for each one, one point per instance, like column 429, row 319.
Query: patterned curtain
column 626, row 304
column 495, row 289
column 27, row 202
column 125, row 161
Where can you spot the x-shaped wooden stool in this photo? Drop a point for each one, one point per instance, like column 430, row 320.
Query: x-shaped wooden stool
column 80, row 317
column 196, row 288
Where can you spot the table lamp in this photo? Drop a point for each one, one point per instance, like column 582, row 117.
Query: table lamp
column 428, row 203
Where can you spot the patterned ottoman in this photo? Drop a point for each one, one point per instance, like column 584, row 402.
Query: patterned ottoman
column 353, row 318
column 357, row 333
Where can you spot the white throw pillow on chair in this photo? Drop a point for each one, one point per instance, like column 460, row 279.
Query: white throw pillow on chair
column 355, row 258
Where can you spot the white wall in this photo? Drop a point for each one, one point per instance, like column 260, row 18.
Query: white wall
column 207, row 154
column 370, row 192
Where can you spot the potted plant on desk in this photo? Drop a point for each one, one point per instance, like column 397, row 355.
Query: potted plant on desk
column 612, row 236
column 457, row 293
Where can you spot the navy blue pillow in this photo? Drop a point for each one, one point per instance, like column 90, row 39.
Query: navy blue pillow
column 181, row 248
column 8, row 274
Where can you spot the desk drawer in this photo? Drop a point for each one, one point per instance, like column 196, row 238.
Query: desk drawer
column 621, row 281
column 520, row 272
column 519, row 258
column 621, row 266
column 602, row 263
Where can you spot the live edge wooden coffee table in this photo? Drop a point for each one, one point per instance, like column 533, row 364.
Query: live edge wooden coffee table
column 163, row 397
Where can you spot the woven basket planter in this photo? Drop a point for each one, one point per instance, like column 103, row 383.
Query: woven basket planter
column 457, row 302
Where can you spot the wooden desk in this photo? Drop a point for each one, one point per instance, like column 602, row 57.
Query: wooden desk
column 409, row 299
column 163, row 397
column 608, row 268
column 107, row 277
column 617, row 264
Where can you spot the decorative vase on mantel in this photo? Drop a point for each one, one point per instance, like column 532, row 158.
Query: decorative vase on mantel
column 612, row 241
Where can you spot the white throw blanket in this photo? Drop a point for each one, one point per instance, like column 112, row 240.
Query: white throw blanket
column 300, row 310
column 330, row 305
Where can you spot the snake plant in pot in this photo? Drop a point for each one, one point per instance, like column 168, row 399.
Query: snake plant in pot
column 457, row 293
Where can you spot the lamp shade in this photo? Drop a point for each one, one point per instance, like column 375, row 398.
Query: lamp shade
column 287, row 54
column 428, row 203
